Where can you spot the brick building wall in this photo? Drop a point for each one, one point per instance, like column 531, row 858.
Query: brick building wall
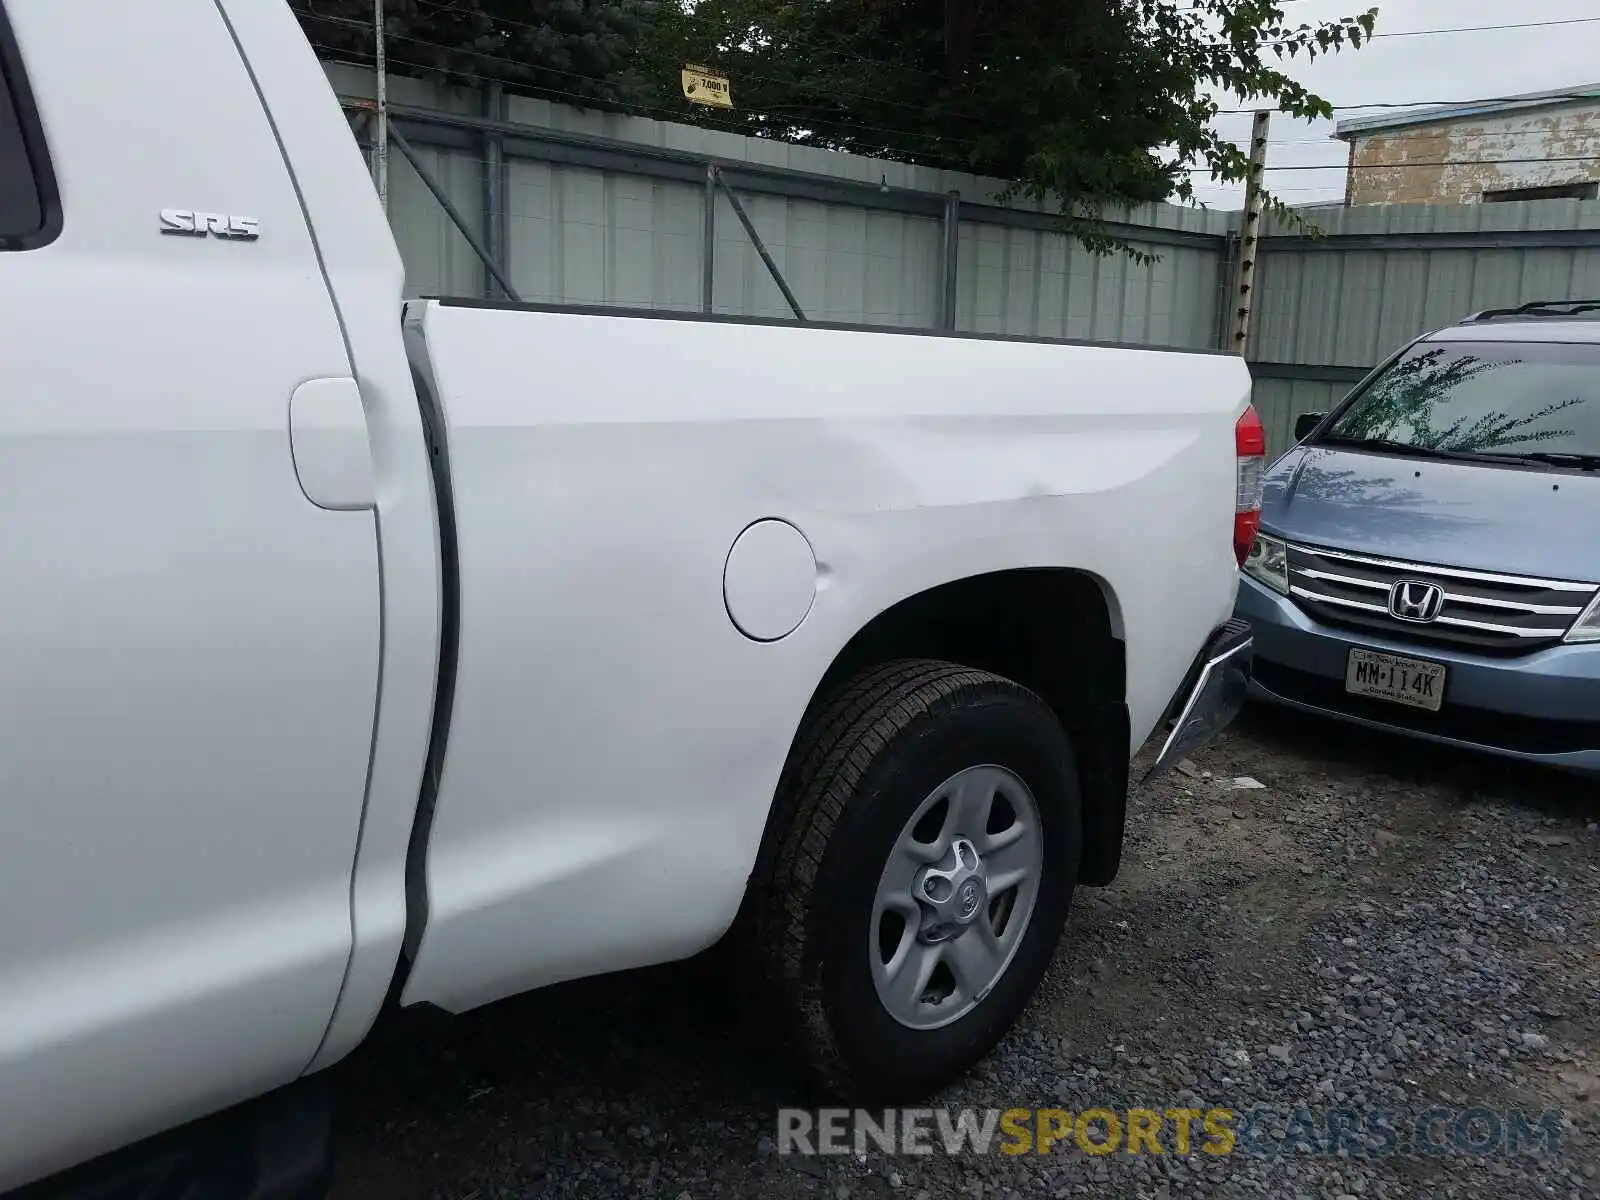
column 1443, row 162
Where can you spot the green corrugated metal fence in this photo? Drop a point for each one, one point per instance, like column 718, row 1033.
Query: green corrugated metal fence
column 598, row 208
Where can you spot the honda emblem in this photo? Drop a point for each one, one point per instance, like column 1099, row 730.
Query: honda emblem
column 1415, row 601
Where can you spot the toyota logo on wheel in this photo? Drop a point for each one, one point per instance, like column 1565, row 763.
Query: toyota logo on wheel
column 1416, row 601
column 971, row 899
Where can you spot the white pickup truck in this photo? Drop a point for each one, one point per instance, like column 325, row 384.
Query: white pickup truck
column 358, row 655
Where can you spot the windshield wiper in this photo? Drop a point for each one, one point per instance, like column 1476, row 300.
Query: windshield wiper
column 1388, row 446
column 1554, row 458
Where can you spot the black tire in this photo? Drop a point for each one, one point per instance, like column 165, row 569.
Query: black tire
column 864, row 762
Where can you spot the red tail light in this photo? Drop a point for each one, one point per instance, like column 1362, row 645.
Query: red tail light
column 1250, row 444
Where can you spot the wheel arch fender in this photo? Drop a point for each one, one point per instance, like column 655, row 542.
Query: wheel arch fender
column 1055, row 630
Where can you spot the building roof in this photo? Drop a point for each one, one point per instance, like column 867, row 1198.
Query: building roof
column 1559, row 97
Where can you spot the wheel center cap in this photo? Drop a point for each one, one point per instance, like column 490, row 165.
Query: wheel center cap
column 952, row 892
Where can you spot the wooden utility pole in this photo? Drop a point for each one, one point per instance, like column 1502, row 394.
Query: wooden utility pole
column 1244, row 268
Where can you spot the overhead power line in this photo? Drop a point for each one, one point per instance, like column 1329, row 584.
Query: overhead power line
column 1591, row 94
column 453, row 7
column 1443, row 162
column 894, row 134
column 901, row 133
column 1448, row 29
column 633, row 108
column 354, row 23
column 1509, row 138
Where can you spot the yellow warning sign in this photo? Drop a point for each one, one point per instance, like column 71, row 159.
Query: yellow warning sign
column 701, row 86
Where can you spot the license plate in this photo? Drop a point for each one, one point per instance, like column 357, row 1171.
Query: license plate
column 1392, row 677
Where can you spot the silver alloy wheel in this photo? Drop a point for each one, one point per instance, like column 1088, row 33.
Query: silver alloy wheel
column 955, row 897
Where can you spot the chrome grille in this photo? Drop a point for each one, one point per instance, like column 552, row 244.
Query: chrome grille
column 1505, row 614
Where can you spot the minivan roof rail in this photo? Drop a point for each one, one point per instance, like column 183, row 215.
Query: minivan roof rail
column 1537, row 308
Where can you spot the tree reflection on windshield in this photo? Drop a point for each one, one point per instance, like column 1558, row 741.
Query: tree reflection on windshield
column 1473, row 400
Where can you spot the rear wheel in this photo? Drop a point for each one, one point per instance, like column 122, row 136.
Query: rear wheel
column 919, row 881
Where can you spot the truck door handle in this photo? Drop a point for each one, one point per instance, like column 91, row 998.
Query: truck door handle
column 329, row 444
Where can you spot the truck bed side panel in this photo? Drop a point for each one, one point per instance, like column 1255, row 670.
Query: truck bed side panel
column 615, row 740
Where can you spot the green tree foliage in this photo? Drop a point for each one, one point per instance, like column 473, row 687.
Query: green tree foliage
column 1089, row 104
column 585, row 52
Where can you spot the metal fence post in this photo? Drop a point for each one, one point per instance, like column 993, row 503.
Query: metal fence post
column 708, row 240
column 381, row 152
column 947, row 260
column 496, row 185
column 1222, row 293
column 451, row 211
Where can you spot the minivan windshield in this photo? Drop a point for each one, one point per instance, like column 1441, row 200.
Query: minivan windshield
column 1534, row 402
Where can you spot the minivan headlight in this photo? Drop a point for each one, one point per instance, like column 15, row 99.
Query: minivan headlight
column 1587, row 627
column 1268, row 563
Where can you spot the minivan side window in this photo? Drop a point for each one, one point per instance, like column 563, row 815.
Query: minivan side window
column 30, row 213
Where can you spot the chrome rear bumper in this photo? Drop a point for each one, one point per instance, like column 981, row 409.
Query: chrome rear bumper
column 1214, row 692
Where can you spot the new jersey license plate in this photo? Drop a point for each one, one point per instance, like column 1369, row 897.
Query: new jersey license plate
column 1410, row 681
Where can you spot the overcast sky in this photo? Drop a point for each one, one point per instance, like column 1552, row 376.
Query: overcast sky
column 1401, row 69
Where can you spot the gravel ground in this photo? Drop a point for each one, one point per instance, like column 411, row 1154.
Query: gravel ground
column 1381, row 926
